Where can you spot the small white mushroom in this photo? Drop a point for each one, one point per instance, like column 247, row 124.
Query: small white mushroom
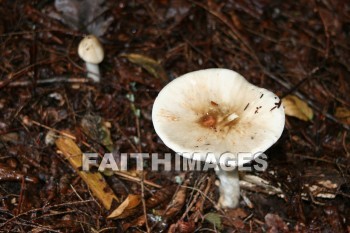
column 217, row 111
column 91, row 51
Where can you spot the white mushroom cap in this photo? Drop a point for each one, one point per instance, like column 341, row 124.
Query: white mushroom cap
column 217, row 111
column 90, row 50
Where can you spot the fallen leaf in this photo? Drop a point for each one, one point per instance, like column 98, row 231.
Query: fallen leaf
column 183, row 227
column 130, row 202
column 140, row 221
column 160, row 196
column 95, row 181
column 275, row 223
column 177, row 202
column 234, row 218
column 95, row 128
column 295, row 107
column 149, row 64
column 89, row 14
column 343, row 114
column 236, row 213
column 214, row 219
column 130, row 212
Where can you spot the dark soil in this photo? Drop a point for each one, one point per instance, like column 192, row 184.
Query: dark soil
column 289, row 47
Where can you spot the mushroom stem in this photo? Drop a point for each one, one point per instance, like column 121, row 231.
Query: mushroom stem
column 229, row 188
column 93, row 71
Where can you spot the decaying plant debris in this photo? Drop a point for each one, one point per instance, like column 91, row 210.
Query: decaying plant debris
column 299, row 50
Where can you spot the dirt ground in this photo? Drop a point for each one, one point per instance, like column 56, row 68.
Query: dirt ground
column 293, row 48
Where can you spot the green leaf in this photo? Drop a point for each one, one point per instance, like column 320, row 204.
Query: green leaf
column 149, row 64
column 215, row 219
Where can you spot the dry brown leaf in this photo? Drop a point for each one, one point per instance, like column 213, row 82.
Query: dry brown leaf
column 234, row 218
column 130, row 202
column 176, row 203
column 95, row 181
column 275, row 223
column 295, row 107
column 139, row 221
column 149, row 64
column 161, row 196
column 183, row 227
column 343, row 114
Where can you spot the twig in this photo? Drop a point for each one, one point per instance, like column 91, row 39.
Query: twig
column 41, row 209
column 194, row 200
column 109, row 229
column 201, row 192
column 269, row 74
column 314, row 158
column 52, row 129
column 139, row 149
column 62, row 133
column 144, row 202
column 54, row 214
column 236, row 35
column 21, row 199
column 308, row 77
column 76, row 193
column 301, row 96
column 58, row 79
column 313, row 199
column 136, row 179
column 13, row 76
column 126, row 137
column 36, row 227
column 200, row 52
column 345, row 145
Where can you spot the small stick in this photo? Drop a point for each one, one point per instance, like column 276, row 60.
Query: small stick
column 61, row 133
column 52, row 129
column 301, row 96
column 58, row 79
column 144, row 202
column 136, row 179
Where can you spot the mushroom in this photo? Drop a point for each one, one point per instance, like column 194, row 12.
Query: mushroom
column 91, row 51
column 218, row 112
